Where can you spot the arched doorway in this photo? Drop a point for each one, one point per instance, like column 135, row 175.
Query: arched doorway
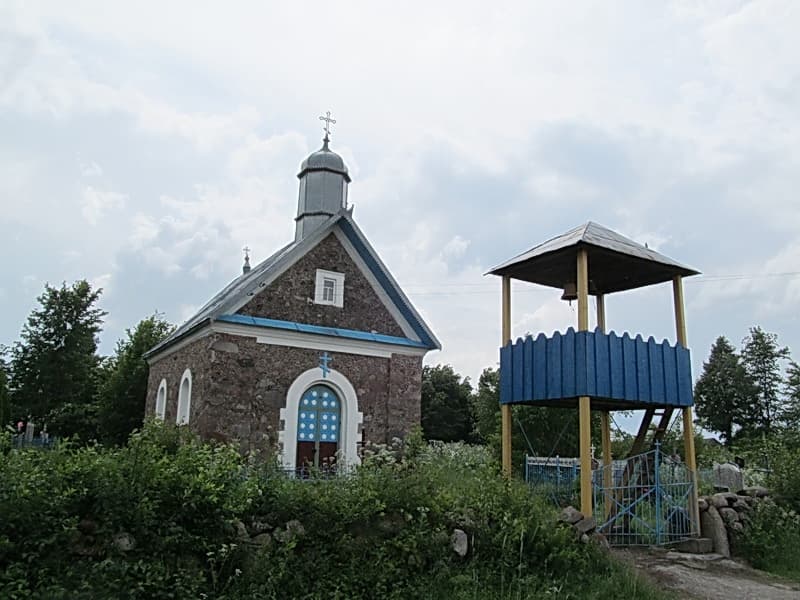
column 318, row 428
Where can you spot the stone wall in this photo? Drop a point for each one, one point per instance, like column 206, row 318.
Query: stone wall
column 290, row 296
column 239, row 387
column 725, row 515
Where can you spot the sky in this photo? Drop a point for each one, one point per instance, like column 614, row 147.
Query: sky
column 143, row 145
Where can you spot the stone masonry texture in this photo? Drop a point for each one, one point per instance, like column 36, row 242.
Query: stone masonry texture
column 239, row 387
column 287, row 298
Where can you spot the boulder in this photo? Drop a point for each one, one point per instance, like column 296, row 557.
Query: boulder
column 460, row 542
column 755, row 492
column 729, row 515
column 241, row 530
column 571, row 515
column 713, row 527
column 722, row 499
column 700, row 545
column 124, row 542
column 702, row 504
column 586, row 525
column 741, row 505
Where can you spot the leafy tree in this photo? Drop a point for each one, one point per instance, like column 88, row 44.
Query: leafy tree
column 446, row 403
column 724, row 392
column 486, row 408
column 762, row 358
column 54, row 367
column 123, row 393
column 536, row 430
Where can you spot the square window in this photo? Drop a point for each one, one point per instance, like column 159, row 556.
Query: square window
column 329, row 288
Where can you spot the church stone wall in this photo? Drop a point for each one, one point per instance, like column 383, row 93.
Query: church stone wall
column 288, row 297
column 242, row 385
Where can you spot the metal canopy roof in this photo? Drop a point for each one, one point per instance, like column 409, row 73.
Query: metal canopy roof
column 616, row 263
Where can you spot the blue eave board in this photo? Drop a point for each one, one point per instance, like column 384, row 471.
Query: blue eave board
column 320, row 330
column 622, row 370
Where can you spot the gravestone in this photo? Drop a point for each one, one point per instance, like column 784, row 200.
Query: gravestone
column 728, row 476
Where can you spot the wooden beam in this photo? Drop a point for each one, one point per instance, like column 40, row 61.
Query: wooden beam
column 688, row 424
column 584, row 402
column 601, row 312
column 505, row 409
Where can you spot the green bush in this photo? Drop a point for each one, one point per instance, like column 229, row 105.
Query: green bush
column 772, row 539
column 70, row 516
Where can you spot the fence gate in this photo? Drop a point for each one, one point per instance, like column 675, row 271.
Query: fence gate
column 643, row 500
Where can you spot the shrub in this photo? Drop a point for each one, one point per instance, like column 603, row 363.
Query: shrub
column 163, row 517
column 772, row 539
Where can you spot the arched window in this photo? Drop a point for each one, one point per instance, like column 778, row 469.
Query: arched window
column 161, row 400
column 184, row 398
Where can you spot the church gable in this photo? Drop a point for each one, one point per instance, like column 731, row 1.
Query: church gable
column 302, row 294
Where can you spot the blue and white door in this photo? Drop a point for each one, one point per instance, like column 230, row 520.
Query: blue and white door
column 318, row 427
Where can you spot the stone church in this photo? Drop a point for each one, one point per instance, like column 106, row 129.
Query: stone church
column 316, row 351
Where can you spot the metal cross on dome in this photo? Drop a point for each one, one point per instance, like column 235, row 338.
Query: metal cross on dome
column 328, row 121
column 323, row 363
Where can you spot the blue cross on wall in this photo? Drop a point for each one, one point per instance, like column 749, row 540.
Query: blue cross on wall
column 323, row 364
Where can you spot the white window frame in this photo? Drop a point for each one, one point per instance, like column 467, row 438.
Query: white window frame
column 338, row 288
column 184, row 399
column 161, row 400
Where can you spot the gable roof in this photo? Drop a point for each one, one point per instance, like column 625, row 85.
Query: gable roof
column 247, row 285
column 616, row 263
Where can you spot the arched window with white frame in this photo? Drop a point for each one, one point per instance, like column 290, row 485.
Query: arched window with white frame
column 161, row 400
column 184, row 398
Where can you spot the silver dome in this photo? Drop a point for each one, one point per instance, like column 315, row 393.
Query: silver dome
column 324, row 159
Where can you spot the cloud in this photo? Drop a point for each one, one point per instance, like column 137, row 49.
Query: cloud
column 96, row 203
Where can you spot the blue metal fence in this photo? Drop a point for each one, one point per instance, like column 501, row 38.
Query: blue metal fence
column 643, row 500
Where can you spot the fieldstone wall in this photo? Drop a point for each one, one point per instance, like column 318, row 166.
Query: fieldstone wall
column 290, row 297
column 726, row 514
column 239, row 387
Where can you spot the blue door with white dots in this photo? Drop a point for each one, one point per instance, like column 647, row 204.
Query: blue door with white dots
column 318, row 423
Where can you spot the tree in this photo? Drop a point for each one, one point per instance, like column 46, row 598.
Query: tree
column 536, row 430
column 762, row 358
column 724, row 392
column 123, row 393
column 791, row 413
column 5, row 397
column 54, row 366
column 446, row 403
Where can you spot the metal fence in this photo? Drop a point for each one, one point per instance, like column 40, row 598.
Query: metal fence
column 643, row 500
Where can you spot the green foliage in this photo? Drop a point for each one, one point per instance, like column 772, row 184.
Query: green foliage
column 446, row 402
column 791, row 413
column 724, row 392
column 762, row 356
column 535, row 430
column 122, row 397
column 5, row 396
column 772, row 540
column 55, row 362
column 381, row 532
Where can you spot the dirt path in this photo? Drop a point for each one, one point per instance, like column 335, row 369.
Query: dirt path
column 708, row 576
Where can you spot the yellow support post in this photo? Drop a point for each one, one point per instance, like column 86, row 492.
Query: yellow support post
column 605, row 422
column 688, row 425
column 505, row 409
column 584, row 402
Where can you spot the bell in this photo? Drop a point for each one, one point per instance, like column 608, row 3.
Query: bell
column 570, row 292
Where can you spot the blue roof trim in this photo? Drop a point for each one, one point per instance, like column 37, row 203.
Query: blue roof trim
column 317, row 330
column 385, row 282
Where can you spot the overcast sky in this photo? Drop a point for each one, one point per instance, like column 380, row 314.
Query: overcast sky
column 143, row 144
